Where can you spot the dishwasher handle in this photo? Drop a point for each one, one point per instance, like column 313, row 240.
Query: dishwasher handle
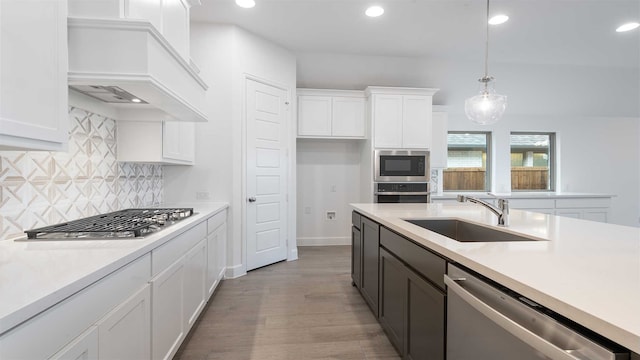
column 538, row 343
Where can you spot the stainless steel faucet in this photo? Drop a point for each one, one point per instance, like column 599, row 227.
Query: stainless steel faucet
column 502, row 211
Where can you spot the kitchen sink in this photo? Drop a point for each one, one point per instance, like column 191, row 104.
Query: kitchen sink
column 467, row 232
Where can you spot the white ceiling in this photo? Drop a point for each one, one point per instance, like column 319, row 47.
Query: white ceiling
column 577, row 32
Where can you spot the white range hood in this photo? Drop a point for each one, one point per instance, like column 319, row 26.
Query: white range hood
column 119, row 60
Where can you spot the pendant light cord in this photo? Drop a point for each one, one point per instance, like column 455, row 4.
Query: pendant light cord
column 486, row 47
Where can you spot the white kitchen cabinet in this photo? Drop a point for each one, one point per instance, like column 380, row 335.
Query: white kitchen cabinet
column 401, row 117
column 169, row 17
column 79, row 314
column 175, row 25
column 195, row 293
column 177, row 289
column 216, row 250
column 125, row 333
column 33, row 75
column 595, row 209
column 84, row 347
column 167, row 313
column 166, row 142
column 439, row 131
column 331, row 114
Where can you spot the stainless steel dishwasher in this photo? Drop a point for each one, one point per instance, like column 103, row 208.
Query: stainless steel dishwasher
column 488, row 323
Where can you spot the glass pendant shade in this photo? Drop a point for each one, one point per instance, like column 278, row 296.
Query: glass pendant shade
column 487, row 107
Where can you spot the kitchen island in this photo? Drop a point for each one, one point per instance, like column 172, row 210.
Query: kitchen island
column 65, row 292
column 586, row 271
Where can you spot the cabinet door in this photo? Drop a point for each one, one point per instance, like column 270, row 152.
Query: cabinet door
column 387, row 121
column 347, row 117
column 416, row 122
column 125, row 333
column 145, row 9
column 84, row 347
column 33, row 75
column 314, row 115
column 393, row 297
column 216, row 248
column 356, row 256
column 178, row 141
column 370, row 252
column 425, row 320
column 167, row 314
column 195, row 275
column 175, row 25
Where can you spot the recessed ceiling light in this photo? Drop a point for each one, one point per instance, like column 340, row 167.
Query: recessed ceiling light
column 136, row 100
column 498, row 19
column 247, row 4
column 374, row 11
column 627, row 27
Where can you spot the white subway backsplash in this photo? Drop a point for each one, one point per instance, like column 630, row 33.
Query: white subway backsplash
column 39, row 188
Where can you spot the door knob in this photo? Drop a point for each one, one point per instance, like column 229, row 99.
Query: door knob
column 252, row 199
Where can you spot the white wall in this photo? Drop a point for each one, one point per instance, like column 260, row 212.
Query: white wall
column 595, row 112
column 328, row 180
column 225, row 55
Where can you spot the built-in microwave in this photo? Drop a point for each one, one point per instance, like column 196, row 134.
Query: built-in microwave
column 401, row 165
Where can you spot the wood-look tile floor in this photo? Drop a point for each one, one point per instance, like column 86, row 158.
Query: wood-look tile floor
column 304, row 309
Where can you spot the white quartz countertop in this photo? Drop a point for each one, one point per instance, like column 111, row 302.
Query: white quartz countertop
column 586, row 271
column 34, row 275
column 523, row 195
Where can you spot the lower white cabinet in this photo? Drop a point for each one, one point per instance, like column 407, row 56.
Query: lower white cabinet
column 195, row 294
column 141, row 311
column 125, row 333
column 167, row 314
column 216, row 256
column 84, row 347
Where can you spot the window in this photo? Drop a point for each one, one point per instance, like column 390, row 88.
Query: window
column 468, row 165
column 532, row 161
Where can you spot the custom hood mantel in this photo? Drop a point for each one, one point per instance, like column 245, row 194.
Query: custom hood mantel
column 121, row 61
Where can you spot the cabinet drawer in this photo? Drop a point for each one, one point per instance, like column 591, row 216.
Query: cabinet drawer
column 169, row 252
column 583, row 203
column 531, row 203
column 426, row 263
column 215, row 221
column 355, row 219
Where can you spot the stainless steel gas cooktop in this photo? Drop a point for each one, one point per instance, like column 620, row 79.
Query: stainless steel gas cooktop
column 122, row 224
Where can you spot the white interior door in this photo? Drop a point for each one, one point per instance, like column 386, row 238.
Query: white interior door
column 266, row 185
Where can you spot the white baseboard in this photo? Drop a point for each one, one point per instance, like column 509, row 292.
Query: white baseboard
column 235, row 271
column 324, row 241
column 293, row 254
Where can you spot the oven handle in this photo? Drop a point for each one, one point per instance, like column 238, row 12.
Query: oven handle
column 402, row 193
column 507, row 324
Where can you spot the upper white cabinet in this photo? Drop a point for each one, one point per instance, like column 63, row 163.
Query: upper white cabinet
column 439, row 130
column 331, row 114
column 401, row 117
column 169, row 17
column 166, row 142
column 33, row 75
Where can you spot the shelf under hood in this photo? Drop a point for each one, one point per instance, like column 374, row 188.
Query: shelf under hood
column 117, row 60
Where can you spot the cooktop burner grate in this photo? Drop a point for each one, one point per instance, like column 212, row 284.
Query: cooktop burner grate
column 117, row 224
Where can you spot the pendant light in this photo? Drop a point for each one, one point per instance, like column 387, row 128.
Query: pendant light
column 487, row 107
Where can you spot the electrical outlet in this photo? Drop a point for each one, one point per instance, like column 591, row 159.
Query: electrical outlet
column 331, row 215
column 333, row 188
column 202, row 195
column 307, row 210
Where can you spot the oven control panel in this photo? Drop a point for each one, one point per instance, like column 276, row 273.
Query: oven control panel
column 402, row 187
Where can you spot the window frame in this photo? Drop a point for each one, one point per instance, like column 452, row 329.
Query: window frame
column 552, row 159
column 489, row 160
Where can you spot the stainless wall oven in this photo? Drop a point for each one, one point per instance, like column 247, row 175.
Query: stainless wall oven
column 395, row 165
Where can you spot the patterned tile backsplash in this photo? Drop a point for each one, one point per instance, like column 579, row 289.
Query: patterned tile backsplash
column 39, row 188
